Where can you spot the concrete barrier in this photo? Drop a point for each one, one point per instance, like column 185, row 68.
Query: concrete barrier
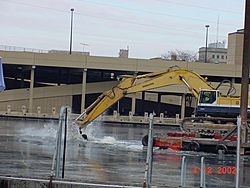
column 24, row 110
column 39, row 110
column 8, row 109
column 161, row 117
column 115, row 114
column 130, row 116
column 145, row 116
column 54, row 110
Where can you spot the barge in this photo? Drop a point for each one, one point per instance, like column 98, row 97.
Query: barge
column 189, row 142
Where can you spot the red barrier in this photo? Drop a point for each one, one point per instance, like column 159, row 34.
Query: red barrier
column 165, row 143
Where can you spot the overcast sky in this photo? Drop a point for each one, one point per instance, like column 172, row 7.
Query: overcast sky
column 148, row 28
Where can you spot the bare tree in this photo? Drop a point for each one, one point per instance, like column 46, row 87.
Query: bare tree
column 181, row 55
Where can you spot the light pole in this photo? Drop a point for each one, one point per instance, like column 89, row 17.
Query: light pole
column 83, row 44
column 207, row 26
column 71, row 28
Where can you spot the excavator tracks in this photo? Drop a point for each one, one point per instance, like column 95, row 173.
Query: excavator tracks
column 208, row 126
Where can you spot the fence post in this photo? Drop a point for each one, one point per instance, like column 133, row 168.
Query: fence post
column 203, row 174
column 238, row 151
column 183, row 171
column 149, row 162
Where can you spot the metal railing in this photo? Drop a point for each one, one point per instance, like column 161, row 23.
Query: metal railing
column 21, row 49
column 63, row 118
column 184, row 172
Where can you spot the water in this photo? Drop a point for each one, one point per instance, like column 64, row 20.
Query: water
column 114, row 154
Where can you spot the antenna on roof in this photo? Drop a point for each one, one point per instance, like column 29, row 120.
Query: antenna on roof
column 217, row 30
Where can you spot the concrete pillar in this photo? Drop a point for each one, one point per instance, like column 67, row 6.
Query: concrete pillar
column 84, row 78
column 183, row 105
column 133, row 103
column 32, row 76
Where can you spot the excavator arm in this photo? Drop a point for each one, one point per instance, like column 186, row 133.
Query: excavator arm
column 104, row 101
column 128, row 85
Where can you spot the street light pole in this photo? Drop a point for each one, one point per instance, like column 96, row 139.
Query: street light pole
column 71, row 28
column 207, row 26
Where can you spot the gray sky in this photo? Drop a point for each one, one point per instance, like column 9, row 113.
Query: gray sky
column 148, row 28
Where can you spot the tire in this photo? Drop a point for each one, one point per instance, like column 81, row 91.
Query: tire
column 194, row 146
column 144, row 140
column 221, row 149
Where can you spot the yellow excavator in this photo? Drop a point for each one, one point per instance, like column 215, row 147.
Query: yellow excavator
column 214, row 114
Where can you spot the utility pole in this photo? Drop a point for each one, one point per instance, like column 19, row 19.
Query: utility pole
column 245, row 77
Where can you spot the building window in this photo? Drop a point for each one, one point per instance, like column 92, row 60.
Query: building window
column 222, row 57
column 218, row 57
column 213, row 56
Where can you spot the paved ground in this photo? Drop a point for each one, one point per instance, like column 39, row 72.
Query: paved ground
column 113, row 155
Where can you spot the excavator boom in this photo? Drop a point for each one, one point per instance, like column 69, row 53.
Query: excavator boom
column 128, row 85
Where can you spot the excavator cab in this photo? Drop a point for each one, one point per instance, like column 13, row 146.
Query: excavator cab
column 207, row 96
column 207, row 102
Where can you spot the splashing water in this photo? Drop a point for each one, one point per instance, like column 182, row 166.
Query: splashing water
column 95, row 134
column 48, row 130
column 109, row 140
column 90, row 130
column 73, row 131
